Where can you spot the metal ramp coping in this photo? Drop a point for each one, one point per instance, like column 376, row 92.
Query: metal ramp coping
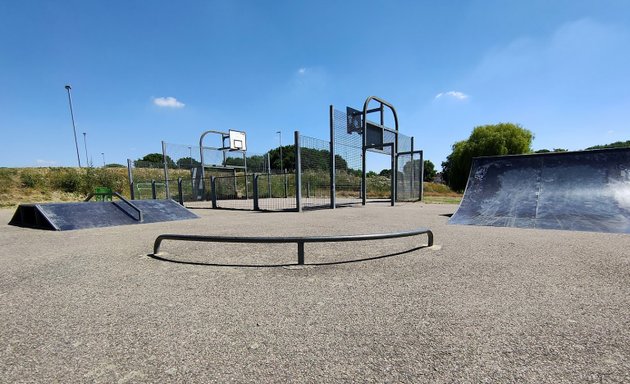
column 299, row 240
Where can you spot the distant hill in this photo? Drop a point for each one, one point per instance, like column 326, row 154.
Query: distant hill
column 616, row 144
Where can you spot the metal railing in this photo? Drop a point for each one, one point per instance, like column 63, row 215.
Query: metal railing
column 129, row 203
column 299, row 240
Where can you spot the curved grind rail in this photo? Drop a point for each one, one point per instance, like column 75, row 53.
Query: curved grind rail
column 300, row 240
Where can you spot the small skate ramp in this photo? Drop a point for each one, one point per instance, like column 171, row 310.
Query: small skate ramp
column 581, row 191
column 94, row 214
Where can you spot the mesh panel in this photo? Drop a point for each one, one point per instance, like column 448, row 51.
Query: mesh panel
column 315, row 172
column 348, row 161
column 408, row 182
column 144, row 173
column 404, row 143
column 276, row 192
column 348, row 165
column 235, row 192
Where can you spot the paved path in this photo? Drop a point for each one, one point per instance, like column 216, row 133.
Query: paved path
column 484, row 305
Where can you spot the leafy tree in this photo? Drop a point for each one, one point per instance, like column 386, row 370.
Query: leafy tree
column 485, row 140
column 114, row 165
column 371, row 174
column 385, row 172
column 429, row 171
column 187, row 162
column 553, row 150
column 155, row 158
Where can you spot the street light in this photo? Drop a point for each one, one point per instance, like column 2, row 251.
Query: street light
column 87, row 162
column 74, row 129
column 280, row 141
column 103, row 154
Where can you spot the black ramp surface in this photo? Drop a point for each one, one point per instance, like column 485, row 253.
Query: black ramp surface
column 582, row 191
column 68, row 216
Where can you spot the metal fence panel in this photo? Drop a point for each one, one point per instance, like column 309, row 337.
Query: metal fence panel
column 315, row 172
column 276, row 192
column 234, row 192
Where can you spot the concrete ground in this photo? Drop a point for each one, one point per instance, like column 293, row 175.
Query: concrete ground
column 483, row 305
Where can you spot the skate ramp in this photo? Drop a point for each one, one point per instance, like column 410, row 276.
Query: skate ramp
column 579, row 191
column 94, row 214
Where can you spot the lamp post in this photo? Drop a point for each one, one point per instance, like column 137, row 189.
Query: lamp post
column 74, row 129
column 280, row 141
column 87, row 162
column 103, row 154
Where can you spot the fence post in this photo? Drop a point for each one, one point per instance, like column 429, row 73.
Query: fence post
column 235, row 185
column 132, row 193
column 246, row 182
column 413, row 171
column 333, row 180
column 286, row 184
column 393, row 178
column 360, row 189
column 180, row 190
column 421, row 175
column 153, row 191
column 256, row 206
column 298, row 172
column 168, row 193
column 213, row 191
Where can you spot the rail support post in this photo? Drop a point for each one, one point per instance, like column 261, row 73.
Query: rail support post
column 180, row 191
column 213, row 191
column 300, row 259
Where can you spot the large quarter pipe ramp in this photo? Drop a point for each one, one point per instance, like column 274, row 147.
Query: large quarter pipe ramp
column 581, row 191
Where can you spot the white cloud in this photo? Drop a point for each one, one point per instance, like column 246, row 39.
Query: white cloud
column 168, row 102
column 452, row 95
column 309, row 79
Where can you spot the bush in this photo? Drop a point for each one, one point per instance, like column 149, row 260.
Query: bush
column 30, row 179
column 67, row 180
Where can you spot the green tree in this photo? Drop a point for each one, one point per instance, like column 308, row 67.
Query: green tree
column 553, row 150
column 385, row 172
column 187, row 162
column 429, row 171
column 485, row 140
column 156, row 160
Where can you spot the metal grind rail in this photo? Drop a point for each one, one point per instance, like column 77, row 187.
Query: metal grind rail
column 299, row 240
column 129, row 203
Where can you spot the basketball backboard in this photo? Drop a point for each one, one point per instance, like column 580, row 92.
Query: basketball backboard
column 237, row 141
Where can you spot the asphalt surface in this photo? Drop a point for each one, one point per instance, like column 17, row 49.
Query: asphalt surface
column 484, row 304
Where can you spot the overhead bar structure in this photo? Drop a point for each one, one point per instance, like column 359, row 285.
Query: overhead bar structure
column 366, row 145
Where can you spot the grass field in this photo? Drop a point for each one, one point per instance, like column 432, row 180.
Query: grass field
column 63, row 184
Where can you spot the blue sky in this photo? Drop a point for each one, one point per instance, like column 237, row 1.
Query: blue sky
column 147, row 71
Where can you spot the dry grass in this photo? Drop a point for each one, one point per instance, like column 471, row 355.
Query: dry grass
column 57, row 184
